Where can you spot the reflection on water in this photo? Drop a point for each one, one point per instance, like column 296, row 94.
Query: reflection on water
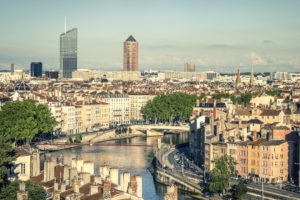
column 134, row 159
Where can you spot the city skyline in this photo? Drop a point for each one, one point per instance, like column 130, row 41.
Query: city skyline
column 211, row 35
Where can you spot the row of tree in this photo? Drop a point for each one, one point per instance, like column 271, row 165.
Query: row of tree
column 244, row 98
column 21, row 121
column 169, row 108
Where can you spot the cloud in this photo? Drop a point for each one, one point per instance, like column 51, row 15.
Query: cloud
column 257, row 60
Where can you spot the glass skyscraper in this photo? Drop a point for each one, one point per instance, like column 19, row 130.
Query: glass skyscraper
column 36, row 69
column 68, row 53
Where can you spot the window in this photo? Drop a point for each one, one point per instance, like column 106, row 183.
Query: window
column 23, row 168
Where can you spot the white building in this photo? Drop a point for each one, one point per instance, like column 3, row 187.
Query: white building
column 119, row 105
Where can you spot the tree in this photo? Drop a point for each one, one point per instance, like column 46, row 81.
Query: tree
column 272, row 93
column 239, row 190
column 7, row 155
column 169, row 108
column 22, row 120
column 35, row 191
column 220, row 175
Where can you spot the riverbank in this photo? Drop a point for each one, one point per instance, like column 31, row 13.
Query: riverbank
column 95, row 140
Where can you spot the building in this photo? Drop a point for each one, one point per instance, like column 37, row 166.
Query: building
column 137, row 102
column 197, row 140
column 274, row 162
column 281, row 76
column 210, row 75
column 87, row 75
column 52, row 74
column 36, row 69
column 119, row 108
column 68, row 53
column 130, row 53
column 189, row 67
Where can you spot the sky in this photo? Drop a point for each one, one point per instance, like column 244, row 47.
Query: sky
column 220, row 35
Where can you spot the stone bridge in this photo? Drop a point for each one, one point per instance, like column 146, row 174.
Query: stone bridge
column 159, row 127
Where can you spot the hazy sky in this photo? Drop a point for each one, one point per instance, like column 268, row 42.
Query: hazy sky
column 221, row 35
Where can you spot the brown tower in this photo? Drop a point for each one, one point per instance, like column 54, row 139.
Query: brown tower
column 238, row 81
column 131, row 52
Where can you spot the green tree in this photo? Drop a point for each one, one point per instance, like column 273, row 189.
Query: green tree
column 22, row 120
column 220, row 175
column 169, row 108
column 7, row 155
column 272, row 93
column 35, row 191
column 239, row 190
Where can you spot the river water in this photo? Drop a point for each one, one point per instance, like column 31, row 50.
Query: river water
column 134, row 159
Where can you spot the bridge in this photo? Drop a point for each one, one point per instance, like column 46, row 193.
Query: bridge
column 168, row 177
column 160, row 127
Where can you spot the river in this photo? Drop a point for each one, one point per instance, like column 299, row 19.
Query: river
column 134, row 159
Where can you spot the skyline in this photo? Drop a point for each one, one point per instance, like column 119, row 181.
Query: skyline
column 211, row 35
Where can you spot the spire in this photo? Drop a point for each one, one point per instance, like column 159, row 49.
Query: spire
column 237, row 81
column 130, row 39
column 252, row 75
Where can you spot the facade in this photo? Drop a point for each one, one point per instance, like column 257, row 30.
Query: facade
column 189, row 67
column 52, row 74
column 68, row 53
column 137, row 101
column 36, row 69
column 130, row 54
column 87, row 75
column 119, row 108
column 197, row 140
column 242, row 158
column 274, row 162
column 68, row 116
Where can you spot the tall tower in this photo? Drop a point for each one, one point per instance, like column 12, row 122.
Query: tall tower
column 68, row 53
column 130, row 54
column 36, row 69
column 238, row 81
column 252, row 76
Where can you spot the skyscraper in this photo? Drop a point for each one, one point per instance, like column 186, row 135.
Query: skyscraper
column 36, row 69
column 189, row 67
column 68, row 53
column 131, row 52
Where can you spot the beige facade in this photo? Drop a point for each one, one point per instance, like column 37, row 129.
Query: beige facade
column 274, row 162
column 119, row 108
column 87, row 75
column 137, row 102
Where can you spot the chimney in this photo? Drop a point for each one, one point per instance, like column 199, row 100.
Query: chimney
column 48, row 168
column 139, row 189
column 114, row 175
column 107, row 190
column 86, row 177
column 126, row 180
column 97, row 180
column 254, row 135
column 63, row 187
column 76, row 185
column 22, row 194
column 35, row 163
column 94, row 189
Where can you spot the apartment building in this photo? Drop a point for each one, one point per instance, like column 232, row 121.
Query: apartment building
column 254, row 157
column 68, row 119
column 119, row 108
column 274, row 162
column 137, row 102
